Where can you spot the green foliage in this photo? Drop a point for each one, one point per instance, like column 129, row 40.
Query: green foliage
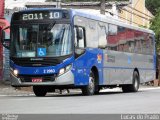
column 155, row 26
column 153, row 5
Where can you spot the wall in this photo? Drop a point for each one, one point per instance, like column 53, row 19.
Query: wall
column 1, row 48
column 139, row 5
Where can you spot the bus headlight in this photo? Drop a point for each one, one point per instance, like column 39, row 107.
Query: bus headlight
column 63, row 70
column 15, row 72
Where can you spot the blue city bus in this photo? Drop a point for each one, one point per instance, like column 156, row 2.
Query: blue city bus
column 66, row 48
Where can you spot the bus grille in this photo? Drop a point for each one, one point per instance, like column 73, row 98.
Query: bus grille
column 38, row 62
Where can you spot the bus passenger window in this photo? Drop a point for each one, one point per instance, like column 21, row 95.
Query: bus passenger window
column 79, row 37
column 102, row 33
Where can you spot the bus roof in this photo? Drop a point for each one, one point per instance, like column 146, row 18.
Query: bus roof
column 108, row 19
column 98, row 17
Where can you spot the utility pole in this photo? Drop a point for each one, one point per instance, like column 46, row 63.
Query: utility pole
column 103, row 7
column 131, row 17
column 58, row 4
column 114, row 10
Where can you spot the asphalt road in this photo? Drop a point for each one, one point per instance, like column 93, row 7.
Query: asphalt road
column 147, row 100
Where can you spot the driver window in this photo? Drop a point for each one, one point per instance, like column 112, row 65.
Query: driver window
column 79, row 37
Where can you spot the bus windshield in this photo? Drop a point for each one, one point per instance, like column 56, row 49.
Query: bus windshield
column 41, row 40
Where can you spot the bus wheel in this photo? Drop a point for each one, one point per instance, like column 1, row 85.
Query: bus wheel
column 97, row 90
column 134, row 86
column 90, row 88
column 39, row 91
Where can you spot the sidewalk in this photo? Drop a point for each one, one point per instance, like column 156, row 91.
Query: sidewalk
column 7, row 89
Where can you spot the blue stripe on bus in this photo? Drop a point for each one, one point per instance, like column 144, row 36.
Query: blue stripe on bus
column 128, row 68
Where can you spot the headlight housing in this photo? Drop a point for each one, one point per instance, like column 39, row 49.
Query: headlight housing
column 61, row 71
column 15, row 72
column 65, row 69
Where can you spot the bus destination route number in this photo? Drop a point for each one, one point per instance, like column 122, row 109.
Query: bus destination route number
column 41, row 16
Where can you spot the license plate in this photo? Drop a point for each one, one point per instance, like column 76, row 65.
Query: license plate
column 36, row 79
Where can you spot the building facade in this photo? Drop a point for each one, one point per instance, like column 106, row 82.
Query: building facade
column 136, row 13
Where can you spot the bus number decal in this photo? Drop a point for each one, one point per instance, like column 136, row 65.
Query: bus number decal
column 49, row 71
column 41, row 16
column 30, row 17
column 54, row 15
column 35, row 16
column 25, row 16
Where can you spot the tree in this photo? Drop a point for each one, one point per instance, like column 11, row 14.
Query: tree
column 155, row 26
column 153, row 6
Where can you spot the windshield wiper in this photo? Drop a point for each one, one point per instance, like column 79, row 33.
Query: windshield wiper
column 50, row 26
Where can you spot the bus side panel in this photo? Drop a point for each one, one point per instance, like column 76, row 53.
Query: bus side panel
column 119, row 67
column 84, row 63
column 116, row 68
column 145, row 66
column 150, row 75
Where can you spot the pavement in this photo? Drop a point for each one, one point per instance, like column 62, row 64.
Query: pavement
column 146, row 101
column 7, row 90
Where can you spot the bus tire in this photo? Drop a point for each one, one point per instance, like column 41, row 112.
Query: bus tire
column 97, row 89
column 90, row 88
column 134, row 86
column 39, row 91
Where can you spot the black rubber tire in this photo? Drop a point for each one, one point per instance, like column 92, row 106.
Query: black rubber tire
column 39, row 91
column 134, row 86
column 90, row 88
column 97, row 89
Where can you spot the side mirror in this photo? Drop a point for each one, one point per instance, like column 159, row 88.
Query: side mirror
column 80, row 33
column 5, row 38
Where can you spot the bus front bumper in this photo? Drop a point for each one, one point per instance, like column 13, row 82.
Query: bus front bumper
column 65, row 79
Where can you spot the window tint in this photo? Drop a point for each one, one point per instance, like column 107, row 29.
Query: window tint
column 117, row 38
column 91, row 30
column 112, row 29
column 79, row 37
column 102, row 33
column 128, row 40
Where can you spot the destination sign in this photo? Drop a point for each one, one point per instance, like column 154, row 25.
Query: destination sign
column 41, row 15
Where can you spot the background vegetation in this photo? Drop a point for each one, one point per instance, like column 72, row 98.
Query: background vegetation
column 154, row 7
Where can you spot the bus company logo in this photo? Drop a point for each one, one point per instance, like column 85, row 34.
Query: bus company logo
column 99, row 58
column 129, row 60
column 36, row 59
column 36, row 71
column 110, row 58
column 36, row 64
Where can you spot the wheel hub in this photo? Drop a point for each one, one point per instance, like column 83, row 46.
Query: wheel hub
column 91, row 83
